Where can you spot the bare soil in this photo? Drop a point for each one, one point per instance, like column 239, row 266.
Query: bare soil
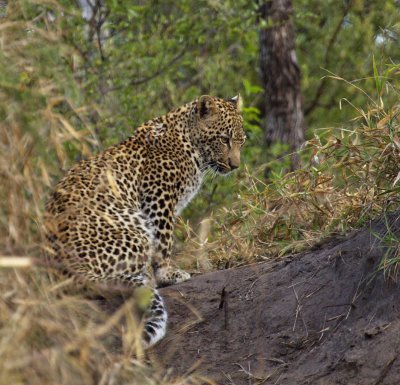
column 326, row 316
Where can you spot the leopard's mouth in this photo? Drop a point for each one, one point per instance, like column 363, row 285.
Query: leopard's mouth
column 222, row 168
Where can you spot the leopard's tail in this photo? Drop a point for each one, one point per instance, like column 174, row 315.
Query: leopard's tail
column 156, row 317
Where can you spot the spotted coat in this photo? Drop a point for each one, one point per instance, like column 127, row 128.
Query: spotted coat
column 111, row 218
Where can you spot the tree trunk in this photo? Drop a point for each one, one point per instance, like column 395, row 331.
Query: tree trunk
column 283, row 119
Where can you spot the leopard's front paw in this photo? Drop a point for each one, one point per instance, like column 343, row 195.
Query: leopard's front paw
column 181, row 276
column 166, row 276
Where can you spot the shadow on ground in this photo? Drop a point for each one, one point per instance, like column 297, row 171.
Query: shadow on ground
column 325, row 316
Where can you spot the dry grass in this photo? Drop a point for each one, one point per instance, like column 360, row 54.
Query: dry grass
column 49, row 335
column 352, row 175
column 43, row 123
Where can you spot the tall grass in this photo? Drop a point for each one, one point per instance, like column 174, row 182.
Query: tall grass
column 47, row 334
column 48, row 337
column 44, row 120
column 349, row 175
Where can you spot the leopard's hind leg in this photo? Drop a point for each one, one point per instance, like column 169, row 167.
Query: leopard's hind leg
column 119, row 255
column 154, row 317
column 155, row 325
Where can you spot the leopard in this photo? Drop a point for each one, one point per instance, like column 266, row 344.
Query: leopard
column 111, row 218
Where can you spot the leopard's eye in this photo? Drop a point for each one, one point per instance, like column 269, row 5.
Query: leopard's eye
column 225, row 139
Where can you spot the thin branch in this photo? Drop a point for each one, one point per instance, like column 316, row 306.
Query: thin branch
column 154, row 75
column 99, row 25
column 321, row 88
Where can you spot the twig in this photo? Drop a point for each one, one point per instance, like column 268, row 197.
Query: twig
column 298, row 311
column 315, row 291
column 323, row 330
column 14, row 262
column 332, row 40
column 224, row 304
column 154, row 75
column 99, row 24
column 385, row 370
column 251, row 375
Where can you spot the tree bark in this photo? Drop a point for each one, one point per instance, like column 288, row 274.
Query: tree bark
column 283, row 118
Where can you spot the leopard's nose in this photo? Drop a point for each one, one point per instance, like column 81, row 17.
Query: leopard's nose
column 233, row 166
column 234, row 157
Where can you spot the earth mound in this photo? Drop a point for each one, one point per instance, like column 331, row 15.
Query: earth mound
column 325, row 316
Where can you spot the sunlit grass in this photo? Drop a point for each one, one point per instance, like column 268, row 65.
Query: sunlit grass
column 349, row 176
column 50, row 337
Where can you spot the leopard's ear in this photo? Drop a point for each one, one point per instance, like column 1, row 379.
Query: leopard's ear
column 206, row 106
column 237, row 101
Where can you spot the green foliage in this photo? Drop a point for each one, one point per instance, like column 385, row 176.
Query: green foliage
column 342, row 38
column 145, row 59
column 81, row 82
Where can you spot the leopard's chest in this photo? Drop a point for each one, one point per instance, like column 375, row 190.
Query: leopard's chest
column 188, row 191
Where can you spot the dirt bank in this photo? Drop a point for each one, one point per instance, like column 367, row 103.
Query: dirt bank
column 321, row 317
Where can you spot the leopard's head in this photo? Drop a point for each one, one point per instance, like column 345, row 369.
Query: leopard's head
column 218, row 133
